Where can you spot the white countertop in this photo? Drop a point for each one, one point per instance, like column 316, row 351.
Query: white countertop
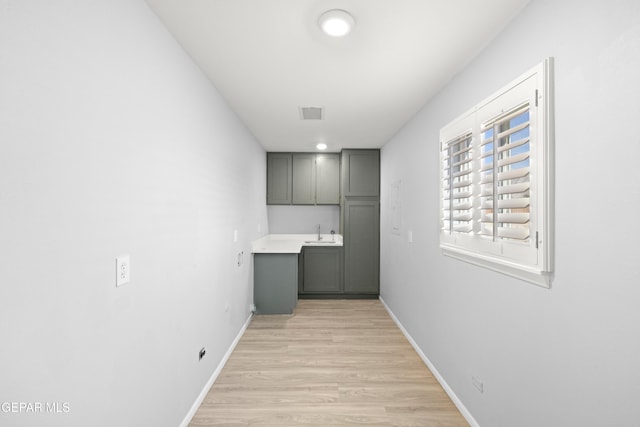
column 292, row 243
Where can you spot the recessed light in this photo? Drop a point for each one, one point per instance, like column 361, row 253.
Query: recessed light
column 321, row 146
column 336, row 22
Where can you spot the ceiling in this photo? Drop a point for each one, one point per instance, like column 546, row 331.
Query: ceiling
column 269, row 57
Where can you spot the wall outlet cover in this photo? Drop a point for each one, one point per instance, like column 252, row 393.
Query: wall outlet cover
column 123, row 270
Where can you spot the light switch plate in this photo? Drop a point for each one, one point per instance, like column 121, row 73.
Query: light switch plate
column 123, row 270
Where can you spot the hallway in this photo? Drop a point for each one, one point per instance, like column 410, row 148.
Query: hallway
column 333, row 362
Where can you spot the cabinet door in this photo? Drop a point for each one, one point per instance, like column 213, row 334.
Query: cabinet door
column 328, row 179
column 279, row 176
column 275, row 280
column 362, row 246
column 322, row 270
column 361, row 173
column 304, row 179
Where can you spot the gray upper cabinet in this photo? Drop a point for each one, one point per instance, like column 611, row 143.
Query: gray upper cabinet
column 361, row 173
column 279, row 175
column 304, row 179
column 328, row 179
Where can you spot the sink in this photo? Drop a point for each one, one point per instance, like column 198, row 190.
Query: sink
column 320, row 241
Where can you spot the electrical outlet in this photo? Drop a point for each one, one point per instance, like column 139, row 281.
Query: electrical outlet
column 123, row 270
column 201, row 353
column 252, row 308
column 477, row 383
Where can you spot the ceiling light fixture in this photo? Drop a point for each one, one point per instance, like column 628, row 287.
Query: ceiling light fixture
column 321, row 146
column 336, row 22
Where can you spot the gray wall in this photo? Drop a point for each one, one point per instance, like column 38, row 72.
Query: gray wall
column 560, row 357
column 112, row 141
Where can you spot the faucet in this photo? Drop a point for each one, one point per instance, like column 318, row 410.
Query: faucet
column 319, row 238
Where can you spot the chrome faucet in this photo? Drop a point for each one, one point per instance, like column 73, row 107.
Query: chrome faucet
column 319, row 238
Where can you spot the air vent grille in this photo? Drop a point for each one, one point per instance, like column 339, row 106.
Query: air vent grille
column 311, row 113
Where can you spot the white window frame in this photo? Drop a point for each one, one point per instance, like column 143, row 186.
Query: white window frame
column 528, row 257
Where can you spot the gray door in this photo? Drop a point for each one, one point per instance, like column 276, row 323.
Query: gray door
column 322, row 270
column 362, row 246
column 304, row 179
column 361, row 173
column 279, row 178
column 328, row 179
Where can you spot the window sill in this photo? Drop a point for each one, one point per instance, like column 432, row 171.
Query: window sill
column 540, row 278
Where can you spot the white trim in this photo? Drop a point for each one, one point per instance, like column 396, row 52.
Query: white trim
column 456, row 401
column 540, row 278
column 214, row 376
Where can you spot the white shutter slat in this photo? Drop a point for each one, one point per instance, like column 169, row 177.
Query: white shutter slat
column 462, row 173
column 464, row 150
column 462, row 228
column 466, row 216
column 486, row 167
column 511, row 131
column 505, row 189
column 513, row 159
column 461, row 162
column 512, row 174
column 465, row 183
column 486, row 141
column 514, row 144
column 460, row 206
column 508, row 218
column 520, row 233
column 519, row 203
column 462, row 195
column 514, row 188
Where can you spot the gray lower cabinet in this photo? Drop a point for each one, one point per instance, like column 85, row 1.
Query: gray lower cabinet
column 320, row 270
column 275, row 283
column 362, row 246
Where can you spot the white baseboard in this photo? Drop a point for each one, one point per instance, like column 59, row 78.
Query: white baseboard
column 463, row 409
column 214, row 376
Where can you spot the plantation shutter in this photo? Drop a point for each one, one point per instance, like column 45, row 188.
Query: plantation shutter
column 457, row 182
column 505, row 171
column 496, row 168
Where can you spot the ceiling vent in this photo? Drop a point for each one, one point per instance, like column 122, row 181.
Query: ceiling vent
column 311, row 113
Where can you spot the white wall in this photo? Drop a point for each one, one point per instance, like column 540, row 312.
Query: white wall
column 303, row 219
column 112, row 142
column 567, row 356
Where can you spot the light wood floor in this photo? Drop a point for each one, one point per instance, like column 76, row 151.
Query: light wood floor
column 333, row 362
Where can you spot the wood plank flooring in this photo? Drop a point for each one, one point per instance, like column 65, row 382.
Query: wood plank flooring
column 331, row 363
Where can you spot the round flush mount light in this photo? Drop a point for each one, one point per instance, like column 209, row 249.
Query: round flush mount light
column 336, row 22
column 321, row 146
